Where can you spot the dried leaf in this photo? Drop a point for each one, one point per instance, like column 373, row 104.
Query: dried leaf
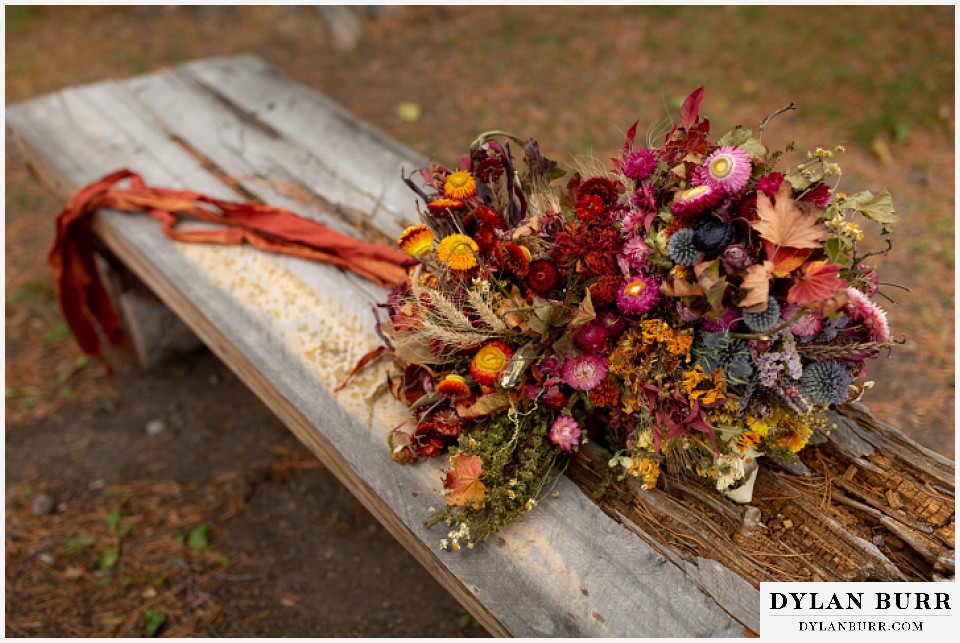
column 817, row 282
column 784, row 223
column 785, row 260
column 584, row 313
column 756, row 285
column 485, row 405
column 463, row 481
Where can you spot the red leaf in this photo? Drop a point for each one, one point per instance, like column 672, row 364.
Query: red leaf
column 463, row 481
column 817, row 282
column 691, row 109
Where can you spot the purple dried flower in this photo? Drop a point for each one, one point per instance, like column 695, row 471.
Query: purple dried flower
column 640, row 165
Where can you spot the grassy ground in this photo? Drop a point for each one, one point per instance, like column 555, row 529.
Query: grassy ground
column 878, row 79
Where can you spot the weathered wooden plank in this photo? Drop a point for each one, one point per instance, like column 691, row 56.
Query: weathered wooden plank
column 522, row 582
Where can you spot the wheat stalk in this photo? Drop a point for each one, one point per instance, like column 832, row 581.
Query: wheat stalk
column 821, row 352
column 487, row 315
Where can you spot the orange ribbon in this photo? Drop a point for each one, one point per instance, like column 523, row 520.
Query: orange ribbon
column 82, row 294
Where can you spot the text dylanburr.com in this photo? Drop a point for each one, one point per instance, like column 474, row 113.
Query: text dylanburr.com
column 858, row 611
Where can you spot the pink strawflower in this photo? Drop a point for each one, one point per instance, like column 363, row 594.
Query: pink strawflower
column 638, row 295
column 565, row 432
column 808, row 325
column 695, row 200
column 769, row 184
column 640, row 165
column 873, row 318
column 727, row 169
column 635, row 251
column 584, row 373
column 592, row 338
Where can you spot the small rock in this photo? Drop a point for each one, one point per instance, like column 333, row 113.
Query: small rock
column 43, row 505
column 45, row 558
column 155, row 427
column 96, row 484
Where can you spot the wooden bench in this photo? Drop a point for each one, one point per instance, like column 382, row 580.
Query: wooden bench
column 870, row 504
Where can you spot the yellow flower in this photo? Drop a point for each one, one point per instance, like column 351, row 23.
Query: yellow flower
column 460, row 185
column 714, row 390
column 417, row 241
column 458, row 251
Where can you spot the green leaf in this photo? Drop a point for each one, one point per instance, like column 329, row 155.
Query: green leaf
column 159, row 581
column 113, row 519
column 58, row 333
column 878, row 208
column 108, row 557
column 78, row 544
column 746, row 141
column 197, row 540
column 124, row 530
column 154, row 619
column 838, row 250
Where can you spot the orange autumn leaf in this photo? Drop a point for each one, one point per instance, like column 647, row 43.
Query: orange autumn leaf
column 785, row 260
column 463, row 481
column 817, row 282
column 785, row 223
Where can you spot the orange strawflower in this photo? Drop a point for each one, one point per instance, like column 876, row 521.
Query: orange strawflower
column 417, row 241
column 453, row 387
column 490, row 362
column 458, row 251
column 443, row 207
column 460, row 185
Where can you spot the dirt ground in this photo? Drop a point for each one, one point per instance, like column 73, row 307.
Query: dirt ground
column 172, row 502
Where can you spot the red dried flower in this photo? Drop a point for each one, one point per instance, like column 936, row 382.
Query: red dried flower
column 483, row 216
column 554, row 402
column 590, row 206
column 819, row 196
column 428, row 442
column 606, row 189
column 489, row 170
column 606, row 395
column 593, row 246
column 514, row 259
column 542, row 276
column 486, row 241
column 605, row 290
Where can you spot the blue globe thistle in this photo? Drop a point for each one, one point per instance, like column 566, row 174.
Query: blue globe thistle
column 681, row 248
column 826, row 382
column 720, row 350
column 764, row 321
